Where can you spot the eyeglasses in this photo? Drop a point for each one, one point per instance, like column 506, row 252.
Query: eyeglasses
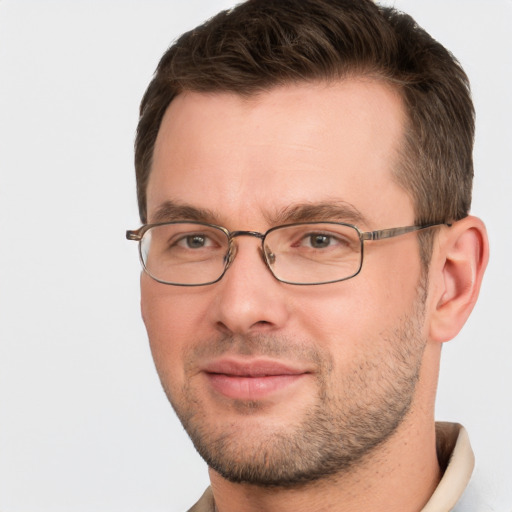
column 187, row 253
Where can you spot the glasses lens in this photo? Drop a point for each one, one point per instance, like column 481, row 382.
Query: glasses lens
column 314, row 253
column 184, row 253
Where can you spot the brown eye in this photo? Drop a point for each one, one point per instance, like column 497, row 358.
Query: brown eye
column 319, row 241
column 195, row 241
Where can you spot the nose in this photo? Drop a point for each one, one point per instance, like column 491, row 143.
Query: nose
column 248, row 299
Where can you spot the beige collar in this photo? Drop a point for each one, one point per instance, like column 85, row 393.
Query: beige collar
column 455, row 453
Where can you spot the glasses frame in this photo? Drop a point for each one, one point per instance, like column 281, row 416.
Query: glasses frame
column 381, row 234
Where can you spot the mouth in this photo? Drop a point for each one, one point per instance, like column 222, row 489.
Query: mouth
column 251, row 380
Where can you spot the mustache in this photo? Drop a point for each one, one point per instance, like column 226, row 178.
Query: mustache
column 261, row 345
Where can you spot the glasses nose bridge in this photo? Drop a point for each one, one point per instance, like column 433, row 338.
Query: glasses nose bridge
column 256, row 234
column 233, row 248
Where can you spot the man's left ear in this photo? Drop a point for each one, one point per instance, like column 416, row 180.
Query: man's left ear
column 458, row 263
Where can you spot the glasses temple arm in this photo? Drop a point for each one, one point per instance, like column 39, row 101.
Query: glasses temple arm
column 133, row 235
column 392, row 232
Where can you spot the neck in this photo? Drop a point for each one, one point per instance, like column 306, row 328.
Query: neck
column 401, row 475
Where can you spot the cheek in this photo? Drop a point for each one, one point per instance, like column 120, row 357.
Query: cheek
column 392, row 270
column 351, row 316
column 172, row 316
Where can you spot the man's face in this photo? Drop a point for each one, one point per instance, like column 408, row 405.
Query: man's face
column 278, row 383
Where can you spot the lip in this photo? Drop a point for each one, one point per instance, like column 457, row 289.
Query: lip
column 251, row 380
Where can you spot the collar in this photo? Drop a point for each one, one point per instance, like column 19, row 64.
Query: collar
column 455, row 454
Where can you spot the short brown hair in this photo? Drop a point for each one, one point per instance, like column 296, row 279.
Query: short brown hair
column 261, row 44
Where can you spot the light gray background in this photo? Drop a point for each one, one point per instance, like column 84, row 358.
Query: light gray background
column 84, row 425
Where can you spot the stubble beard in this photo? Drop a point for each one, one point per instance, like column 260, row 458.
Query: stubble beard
column 354, row 413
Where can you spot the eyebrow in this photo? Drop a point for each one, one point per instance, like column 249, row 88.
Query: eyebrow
column 334, row 211
column 170, row 211
column 337, row 211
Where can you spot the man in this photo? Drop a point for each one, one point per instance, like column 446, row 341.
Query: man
column 304, row 178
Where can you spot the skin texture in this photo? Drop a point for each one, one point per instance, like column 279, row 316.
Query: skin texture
column 354, row 364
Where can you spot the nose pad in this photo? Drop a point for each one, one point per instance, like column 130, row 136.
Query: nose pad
column 266, row 254
column 230, row 255
column 269, row 255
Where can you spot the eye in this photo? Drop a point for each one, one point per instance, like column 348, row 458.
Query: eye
column 319, row 241
column 194, row 241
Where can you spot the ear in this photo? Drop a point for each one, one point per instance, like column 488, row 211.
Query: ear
column 458, row 263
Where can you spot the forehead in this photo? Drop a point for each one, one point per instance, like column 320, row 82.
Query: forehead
column 309, row 143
